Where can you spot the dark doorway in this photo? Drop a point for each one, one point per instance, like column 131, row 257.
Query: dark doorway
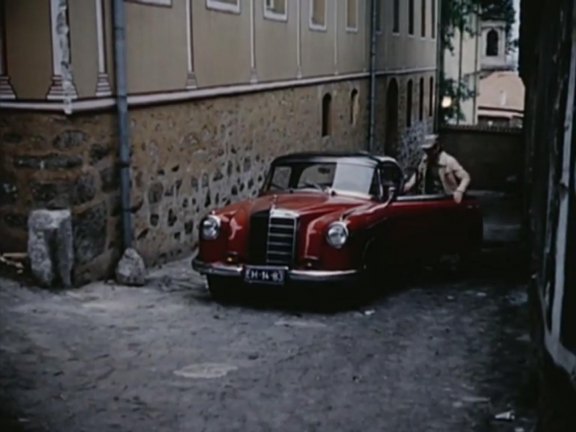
column 391, row 136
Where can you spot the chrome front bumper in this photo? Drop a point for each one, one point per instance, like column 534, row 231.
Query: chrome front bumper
column 315, row 276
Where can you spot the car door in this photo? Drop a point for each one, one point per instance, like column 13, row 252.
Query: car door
column 419, row 225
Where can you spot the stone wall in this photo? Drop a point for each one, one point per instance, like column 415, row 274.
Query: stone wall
column 188, row 158
column 192, row 157
column 406, row 150
column 52, row 161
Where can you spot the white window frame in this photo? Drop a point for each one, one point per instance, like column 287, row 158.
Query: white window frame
column 312, row 24
column 153, row 2
column 275, row 16
column 221, row 6
column 352, row 29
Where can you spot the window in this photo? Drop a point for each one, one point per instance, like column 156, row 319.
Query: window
column 411, row 17
column 431, row 97
column 351, row 15
column 492, row 40
column 378, row 16
column 318, row 14
column 433, row 20
column 423, row 18
column 224, row 5
column 396, row 17
column 154, row 2
column 326, row 115
column 421, row 104
column 275, row 10
column 409, row 94
column 354, row 107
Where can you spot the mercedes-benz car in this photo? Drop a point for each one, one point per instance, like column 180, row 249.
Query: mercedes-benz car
column 326, row 218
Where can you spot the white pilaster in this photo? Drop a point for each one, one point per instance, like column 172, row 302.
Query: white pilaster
column 103, row 88
column 6, row 90
column 299, row 38
column 253, row 71
column 62, row 87
column 336, row 35
column 191, row 75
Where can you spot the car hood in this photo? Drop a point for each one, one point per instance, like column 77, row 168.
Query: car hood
column 308, row 205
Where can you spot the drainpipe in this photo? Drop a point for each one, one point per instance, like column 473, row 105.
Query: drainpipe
column 439, row 65
column 373, row 66
column 461, row 48
column 123, row 119
column 476, row 69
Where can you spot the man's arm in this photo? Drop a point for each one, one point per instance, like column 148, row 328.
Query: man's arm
column 463, row 175
column 410, row 183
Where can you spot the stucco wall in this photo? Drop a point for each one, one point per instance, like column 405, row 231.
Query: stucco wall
column 187, row 159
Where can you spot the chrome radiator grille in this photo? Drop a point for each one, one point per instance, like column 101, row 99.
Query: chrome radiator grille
column 281, row 238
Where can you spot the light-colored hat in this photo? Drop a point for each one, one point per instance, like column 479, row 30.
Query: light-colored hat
column 429, row 141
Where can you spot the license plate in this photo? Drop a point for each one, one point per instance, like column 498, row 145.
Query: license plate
column 265, row 275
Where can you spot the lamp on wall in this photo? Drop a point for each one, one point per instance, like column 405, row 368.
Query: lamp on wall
column 446, row 102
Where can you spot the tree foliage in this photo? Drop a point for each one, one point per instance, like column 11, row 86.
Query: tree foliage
column 460, row 15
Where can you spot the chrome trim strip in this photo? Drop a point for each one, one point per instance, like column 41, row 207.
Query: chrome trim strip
column 218, row 269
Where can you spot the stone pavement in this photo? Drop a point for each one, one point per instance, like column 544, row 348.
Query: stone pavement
column 436, row 353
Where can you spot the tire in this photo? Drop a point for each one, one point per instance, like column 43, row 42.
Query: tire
column 223, row 289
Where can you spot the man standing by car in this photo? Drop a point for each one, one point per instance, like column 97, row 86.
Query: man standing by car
column 439, row 172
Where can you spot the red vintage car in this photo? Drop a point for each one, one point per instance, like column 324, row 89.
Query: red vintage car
column 330, row 217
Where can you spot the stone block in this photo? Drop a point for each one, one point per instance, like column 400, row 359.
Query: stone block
column 90, row 233
column 50, row 246
column 131, row 269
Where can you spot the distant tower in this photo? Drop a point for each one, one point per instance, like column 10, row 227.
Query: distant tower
column 493, row 53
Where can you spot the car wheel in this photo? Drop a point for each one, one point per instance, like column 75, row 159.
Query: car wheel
column 222, row 289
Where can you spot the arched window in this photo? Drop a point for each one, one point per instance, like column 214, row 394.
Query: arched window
column 421, row 102
column 431, row 97
column 391, row 143
column 354, row 107
column 492, row 42
column 409, row 102
column 326, row 114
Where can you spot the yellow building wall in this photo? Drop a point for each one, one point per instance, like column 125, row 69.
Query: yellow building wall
column 84, row 46
column 221, row 45
column 28, row 47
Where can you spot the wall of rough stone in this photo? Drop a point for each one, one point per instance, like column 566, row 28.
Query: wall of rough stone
column 407, row 150
column 192, row 157
column 52, row 161
column 188, row 158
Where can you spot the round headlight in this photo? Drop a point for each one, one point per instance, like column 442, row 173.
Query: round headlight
column 210, row 228
column 337, row 235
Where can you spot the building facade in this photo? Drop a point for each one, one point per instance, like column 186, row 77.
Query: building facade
column 215, row 90
column 473, row 65
column 548, row 68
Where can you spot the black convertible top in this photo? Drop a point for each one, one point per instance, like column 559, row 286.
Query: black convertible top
column 360, row 157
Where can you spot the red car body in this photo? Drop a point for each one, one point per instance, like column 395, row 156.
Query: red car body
column 281, row 236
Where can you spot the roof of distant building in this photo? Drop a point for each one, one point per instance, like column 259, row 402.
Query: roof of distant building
column 502, row 90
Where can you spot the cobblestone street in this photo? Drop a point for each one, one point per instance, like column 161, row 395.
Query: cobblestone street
column 436, row 354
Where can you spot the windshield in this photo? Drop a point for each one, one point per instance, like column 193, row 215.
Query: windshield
column 339, row 176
